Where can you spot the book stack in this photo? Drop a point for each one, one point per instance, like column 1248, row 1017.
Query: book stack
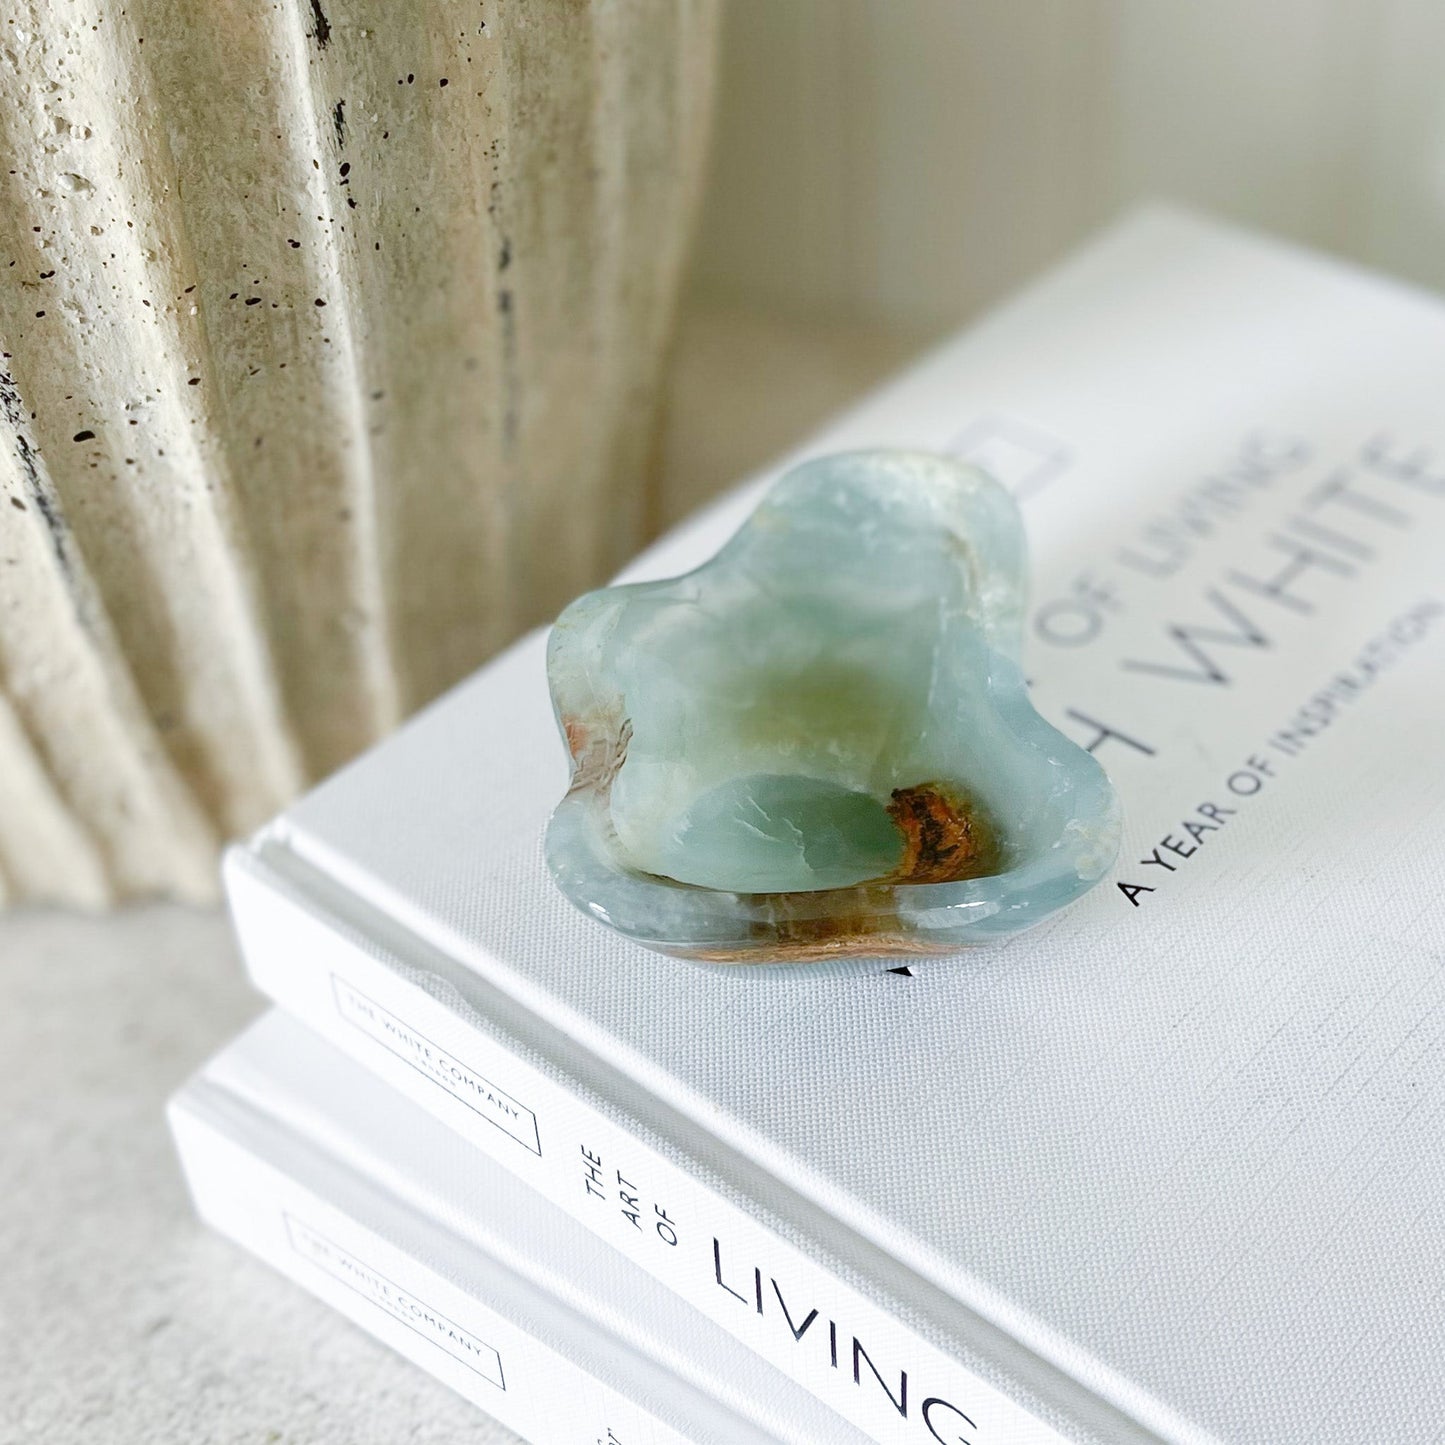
column 1170, row 1167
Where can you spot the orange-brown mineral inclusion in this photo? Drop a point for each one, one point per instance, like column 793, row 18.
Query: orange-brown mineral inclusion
column 945, row 838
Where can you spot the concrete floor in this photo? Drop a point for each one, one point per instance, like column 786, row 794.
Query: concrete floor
column 121, row 1319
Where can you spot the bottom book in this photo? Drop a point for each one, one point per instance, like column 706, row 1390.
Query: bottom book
column 312, row 1164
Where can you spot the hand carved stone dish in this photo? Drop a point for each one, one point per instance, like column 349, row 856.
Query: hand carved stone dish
column 820, row 743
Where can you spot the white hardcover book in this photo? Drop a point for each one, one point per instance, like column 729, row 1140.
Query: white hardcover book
column 1167, row 1168
column 310, row 1162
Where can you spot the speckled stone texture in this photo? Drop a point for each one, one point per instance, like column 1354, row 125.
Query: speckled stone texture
column 330, row 348
column 122, row 1321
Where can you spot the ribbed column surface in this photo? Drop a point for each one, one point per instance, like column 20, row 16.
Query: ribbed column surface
column 332, row 343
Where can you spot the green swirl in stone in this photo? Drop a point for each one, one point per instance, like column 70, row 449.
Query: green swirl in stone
column 819, row 743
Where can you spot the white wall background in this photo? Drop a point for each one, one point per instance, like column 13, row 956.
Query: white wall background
column 906, row 161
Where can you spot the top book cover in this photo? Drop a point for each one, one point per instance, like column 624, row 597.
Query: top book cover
column 1182, row 1142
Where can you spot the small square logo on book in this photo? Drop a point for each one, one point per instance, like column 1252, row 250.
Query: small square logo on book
column 1022, row 457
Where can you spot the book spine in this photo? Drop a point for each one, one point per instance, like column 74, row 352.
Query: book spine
column 465, row 1343
column 715, row 1248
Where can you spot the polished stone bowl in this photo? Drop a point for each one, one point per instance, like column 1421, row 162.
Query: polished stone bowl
column 819, row 743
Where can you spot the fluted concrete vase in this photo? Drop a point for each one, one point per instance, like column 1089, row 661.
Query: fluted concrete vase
column 332, row 342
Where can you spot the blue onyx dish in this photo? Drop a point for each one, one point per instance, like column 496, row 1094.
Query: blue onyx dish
column 819, row 744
